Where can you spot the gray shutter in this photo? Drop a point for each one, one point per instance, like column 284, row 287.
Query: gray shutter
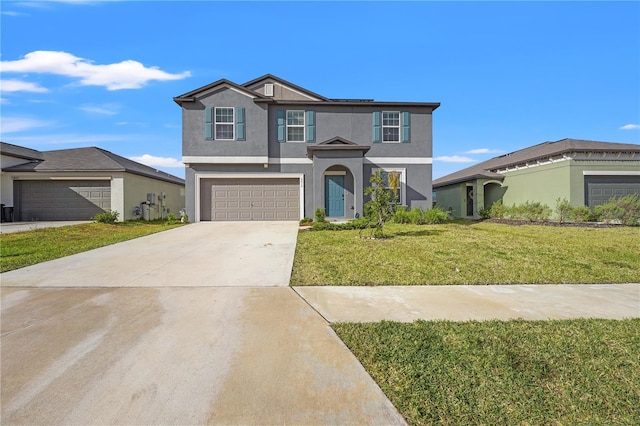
column 280, row 114
column 208, row 123
column 377, row 127
column 240, row 125
column 310, row 121
column 406, row 127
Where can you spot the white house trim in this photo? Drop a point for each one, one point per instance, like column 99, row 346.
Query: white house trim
column 300, row 160
column 398, row 160
column 219, row 175
column 61, row 178
column 224, row 160
column 616, row 173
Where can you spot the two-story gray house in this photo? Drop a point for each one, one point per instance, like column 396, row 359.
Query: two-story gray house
column 271, row 150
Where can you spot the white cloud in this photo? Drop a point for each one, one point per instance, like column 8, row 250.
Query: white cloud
column 11, row 13
column 21, row 86
column 454, row 159
column 68, row 139
column 108, row 109
column 127, row 74
column 154, row 161
column 483, row 151
column 17, row 124
column 630, row 127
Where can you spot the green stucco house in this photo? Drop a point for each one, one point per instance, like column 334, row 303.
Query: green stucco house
column 584, row 172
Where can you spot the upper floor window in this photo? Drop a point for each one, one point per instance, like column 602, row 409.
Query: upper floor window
column 224, row 123
column 295, row 126
column 391, row 126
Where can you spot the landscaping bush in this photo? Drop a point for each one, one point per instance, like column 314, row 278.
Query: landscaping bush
column 320, row 215
column 484, row 213
column 580, row 214
column 497, row 210
column 417, row 216
column 106, row 217
column 624, row 210
column 401, row 215
column 436, row 215
column 171, row 219
column 359, row 223
column 306, row 221
column 531, row 211
column 563, row 209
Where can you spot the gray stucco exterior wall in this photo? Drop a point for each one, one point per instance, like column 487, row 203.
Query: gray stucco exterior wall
column 262, row 154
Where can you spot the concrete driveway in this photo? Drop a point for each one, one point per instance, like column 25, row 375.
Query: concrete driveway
column 190, row 326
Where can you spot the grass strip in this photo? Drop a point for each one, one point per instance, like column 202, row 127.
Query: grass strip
column 477, row 253
column 583, row 371
column 22, row 249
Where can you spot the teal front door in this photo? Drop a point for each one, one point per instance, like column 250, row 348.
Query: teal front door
column 334, row 195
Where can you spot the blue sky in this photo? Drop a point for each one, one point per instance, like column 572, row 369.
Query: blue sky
column 508, row 74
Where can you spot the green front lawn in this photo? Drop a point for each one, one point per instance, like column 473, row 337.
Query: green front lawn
column 497, row 373
column 22, row 249
column 477, row 253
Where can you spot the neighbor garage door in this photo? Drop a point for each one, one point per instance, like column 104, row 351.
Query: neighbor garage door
column 250, row 199
column 599, row 189
column 62, row 200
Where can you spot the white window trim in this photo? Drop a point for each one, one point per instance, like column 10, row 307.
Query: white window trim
column 233, row 124
column 403, row 181
column 399, row 126
column 287, row 125
column 221, row 175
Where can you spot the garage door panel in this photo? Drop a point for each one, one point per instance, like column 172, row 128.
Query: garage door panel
column 62, row 200
column 257, row 199
column 599, row 189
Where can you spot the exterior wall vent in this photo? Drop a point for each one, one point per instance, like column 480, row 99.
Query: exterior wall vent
column 268, row 89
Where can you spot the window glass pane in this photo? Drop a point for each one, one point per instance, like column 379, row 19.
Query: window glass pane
column 295, row 118
column 224, row 131
column 391, row 119
column 224, row 115
column 390, row 134
column 295, row 134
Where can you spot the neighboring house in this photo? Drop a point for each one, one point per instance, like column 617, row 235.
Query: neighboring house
column 271, row 150
column 76, row 184
column 582, row 172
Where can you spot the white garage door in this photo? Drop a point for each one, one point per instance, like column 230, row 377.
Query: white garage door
column 62, row 200
column 250, row 199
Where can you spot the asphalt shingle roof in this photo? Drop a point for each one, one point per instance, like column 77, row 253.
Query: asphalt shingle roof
column 488, row 168
column 20, row 152
column 90, row 159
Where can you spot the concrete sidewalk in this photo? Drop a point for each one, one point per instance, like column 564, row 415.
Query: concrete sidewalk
column 474, row 302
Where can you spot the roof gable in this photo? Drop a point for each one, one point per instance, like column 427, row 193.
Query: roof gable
column 201, row 91
column 258, row 85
